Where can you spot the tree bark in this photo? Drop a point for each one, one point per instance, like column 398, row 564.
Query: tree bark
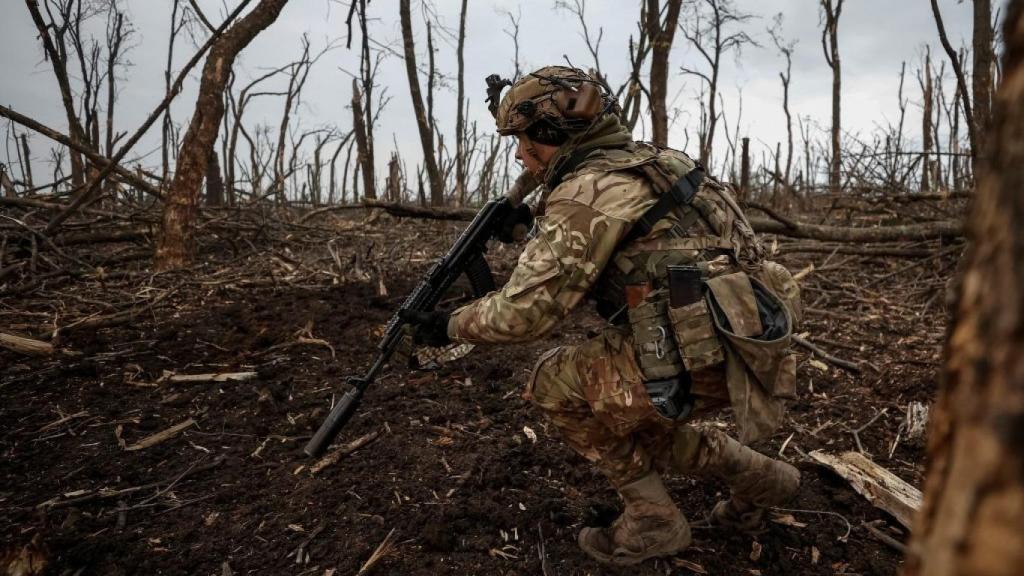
column 972, row 522
column 981, row 78
column 422, row 122
column 175, row 245
column 661, row 36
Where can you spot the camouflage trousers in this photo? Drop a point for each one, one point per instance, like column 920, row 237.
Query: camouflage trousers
column 594, row 394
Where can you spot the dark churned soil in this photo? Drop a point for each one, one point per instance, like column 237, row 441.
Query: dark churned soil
column 453, row 476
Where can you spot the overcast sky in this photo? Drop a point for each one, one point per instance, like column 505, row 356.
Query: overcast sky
column 876, row 36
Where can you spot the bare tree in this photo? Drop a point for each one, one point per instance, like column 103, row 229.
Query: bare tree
column 956, row 61
column 460, row 111
column 924, row 78
column 707, row 28
column 363, row 158
column 831, row 11
column 175, row 245
column 53, row 32
column 660, row 32
column 974, row 489
column 786, row 49
column 422, row 122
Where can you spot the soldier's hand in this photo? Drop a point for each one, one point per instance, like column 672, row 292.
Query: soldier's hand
column 516, row 225
column 431, row 327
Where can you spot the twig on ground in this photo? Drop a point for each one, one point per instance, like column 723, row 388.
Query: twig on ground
column 845, row 364
column 872, row 528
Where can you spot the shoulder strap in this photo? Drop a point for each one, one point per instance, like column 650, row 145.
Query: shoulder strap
column 681, row 193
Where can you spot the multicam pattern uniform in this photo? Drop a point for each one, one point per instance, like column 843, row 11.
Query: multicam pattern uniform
column 594, row 392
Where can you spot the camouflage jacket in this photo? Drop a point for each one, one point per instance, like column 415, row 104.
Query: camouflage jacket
column 576, row 252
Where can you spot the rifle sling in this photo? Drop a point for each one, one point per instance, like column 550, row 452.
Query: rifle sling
column 679, row 195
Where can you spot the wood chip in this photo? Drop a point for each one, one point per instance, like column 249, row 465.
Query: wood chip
column 26, row 346
column 216, row 377
column 336, row 455
column 879, row 486
column 161, row 436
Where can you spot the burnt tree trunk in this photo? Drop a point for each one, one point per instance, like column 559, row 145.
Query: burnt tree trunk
column 214, row 182
column 422, row 122
column 972, row 521
column 364, row 158
column 661, row 36
column 981, row 78
column 175, row 245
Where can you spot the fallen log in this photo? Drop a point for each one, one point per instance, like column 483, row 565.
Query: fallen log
column 876, row 234
column 880, row 487
column 414, row 211
column 789, row 228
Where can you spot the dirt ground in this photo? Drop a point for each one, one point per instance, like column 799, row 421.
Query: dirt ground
column 464, row 476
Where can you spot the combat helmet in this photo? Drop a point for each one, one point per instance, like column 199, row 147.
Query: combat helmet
column 547, row 104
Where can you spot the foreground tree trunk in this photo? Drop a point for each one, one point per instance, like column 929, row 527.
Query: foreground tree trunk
column 175, row 244
column 973, row 516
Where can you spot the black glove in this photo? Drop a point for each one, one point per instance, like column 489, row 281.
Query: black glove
column 516, row 225
column 431, row 327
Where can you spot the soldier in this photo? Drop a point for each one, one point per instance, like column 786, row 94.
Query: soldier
column 600, row 394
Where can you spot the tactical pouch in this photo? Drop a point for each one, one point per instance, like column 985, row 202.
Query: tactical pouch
column 695, row 336
column 694, row 333
column 653, row 340
column 758, row 327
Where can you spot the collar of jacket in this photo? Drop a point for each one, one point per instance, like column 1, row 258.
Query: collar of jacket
column 607, row 132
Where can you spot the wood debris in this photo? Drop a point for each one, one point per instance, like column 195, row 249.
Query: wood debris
column 382, row 550
column 349, row 448
column 881, row 487
column 26, row 346
column 212, row 377
column 161, row 436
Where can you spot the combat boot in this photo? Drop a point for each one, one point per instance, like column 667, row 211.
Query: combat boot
column 650, row 526
column 756, row 482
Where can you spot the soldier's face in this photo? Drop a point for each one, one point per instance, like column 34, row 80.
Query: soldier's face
column 534, row 155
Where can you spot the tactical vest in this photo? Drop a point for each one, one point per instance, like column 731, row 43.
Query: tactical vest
column 752, row 304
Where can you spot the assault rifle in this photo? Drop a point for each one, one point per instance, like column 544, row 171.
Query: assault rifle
column 498, row 218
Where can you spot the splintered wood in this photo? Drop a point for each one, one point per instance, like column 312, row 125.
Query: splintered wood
column 161, row 436
column 221, row 377
column 879, row 486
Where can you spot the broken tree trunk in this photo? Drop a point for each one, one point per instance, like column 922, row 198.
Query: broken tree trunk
column 973, row 516
column 175, row 245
